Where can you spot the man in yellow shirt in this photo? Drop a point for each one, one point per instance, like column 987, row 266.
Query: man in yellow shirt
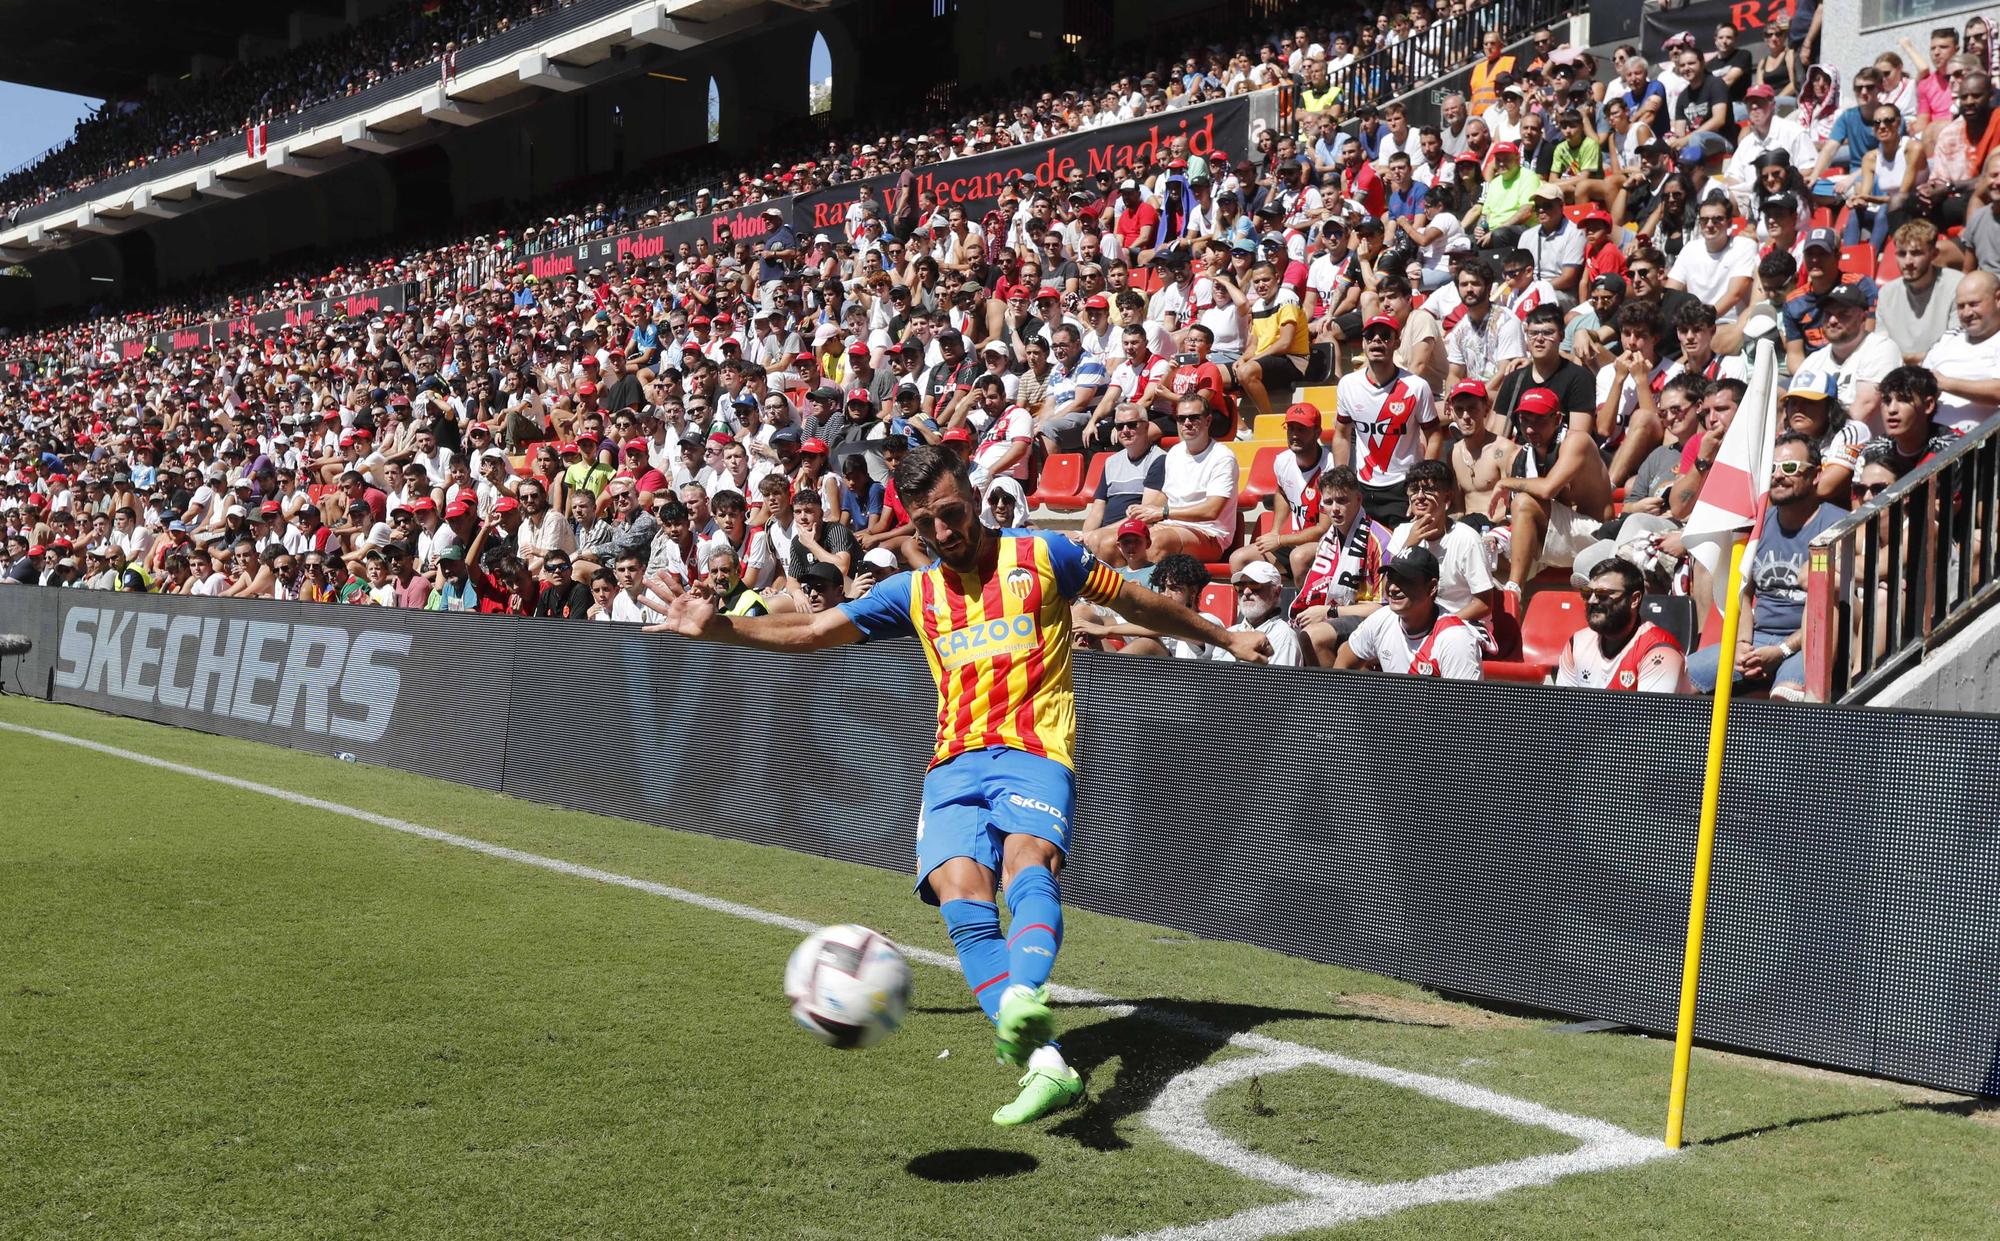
column 1280, row 340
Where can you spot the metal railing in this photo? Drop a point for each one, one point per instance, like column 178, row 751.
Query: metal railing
column 1905, row 571
column 1447, row 46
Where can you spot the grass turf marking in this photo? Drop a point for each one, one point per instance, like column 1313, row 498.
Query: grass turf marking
column 1179, row 1113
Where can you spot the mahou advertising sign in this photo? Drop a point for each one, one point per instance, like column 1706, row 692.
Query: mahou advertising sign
column 720, row 231
column 975, row 181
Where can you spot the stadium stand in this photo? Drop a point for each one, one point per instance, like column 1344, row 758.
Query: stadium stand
column 1509, row 343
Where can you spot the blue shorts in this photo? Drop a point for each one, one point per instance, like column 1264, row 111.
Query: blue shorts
column 974, row 801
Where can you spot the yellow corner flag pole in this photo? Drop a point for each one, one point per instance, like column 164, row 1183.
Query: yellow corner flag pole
column 1704, row 845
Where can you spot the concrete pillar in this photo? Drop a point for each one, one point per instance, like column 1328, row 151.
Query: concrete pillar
column 255, row 47
column 778, row 65
column 994, row 40
column 303, row 26
column 58, row 283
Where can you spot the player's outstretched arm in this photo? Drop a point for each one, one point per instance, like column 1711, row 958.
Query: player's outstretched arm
column 694, row 615
column 1160, row 614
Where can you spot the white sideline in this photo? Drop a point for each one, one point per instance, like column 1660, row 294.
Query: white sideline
column 1179, row 1112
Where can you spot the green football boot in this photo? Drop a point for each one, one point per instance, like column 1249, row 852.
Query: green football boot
column 1025, row 1022
column 1042, row 1092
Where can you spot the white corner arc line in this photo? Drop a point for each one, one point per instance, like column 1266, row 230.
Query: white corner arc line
column 1179, row 1112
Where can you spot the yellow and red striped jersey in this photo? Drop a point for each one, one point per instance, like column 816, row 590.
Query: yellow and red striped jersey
column 997, row 640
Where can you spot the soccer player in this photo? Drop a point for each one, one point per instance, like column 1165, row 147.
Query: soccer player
column 992, row 611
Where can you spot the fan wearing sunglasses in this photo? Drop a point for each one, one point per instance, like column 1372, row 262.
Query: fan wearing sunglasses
column 1619, row 649
column 1770, row 658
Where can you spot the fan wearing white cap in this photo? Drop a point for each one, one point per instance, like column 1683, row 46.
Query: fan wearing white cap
column 1812, row 407
column 1258, row 587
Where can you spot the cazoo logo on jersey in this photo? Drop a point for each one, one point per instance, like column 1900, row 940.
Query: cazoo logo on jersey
column 317, row 678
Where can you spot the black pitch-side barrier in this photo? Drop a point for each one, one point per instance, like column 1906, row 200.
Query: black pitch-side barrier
column 1524, row 844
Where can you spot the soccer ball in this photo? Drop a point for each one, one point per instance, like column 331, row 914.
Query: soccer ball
column 849, row 986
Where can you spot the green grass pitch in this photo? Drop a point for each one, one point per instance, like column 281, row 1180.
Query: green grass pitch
column 222, row 1015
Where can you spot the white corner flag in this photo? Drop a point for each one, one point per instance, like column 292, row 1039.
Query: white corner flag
column 1733, row 495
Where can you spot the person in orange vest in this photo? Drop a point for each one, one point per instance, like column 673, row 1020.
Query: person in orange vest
column 1484, row 92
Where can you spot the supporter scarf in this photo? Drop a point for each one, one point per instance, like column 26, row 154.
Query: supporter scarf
column 1345, row 570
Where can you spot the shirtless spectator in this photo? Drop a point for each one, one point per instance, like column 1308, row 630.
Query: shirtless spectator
column 1480, row 453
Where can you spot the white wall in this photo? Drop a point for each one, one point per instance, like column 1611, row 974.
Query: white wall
column 1961, row 675
column 1845, row 45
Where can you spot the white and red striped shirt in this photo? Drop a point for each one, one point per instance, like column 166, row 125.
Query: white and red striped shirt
column 1387, row 421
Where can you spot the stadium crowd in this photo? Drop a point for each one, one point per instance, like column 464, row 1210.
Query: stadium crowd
column 1529, row 321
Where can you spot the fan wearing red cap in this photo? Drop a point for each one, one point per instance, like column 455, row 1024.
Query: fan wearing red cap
column 1299, row 520
column 1384, row 421
column 1557, row 486
column 1477, row 454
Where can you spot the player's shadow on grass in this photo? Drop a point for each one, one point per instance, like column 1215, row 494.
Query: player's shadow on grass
column 1157, row 1042
column 1954, row 1107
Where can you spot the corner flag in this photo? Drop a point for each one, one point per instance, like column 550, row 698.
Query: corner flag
column 1732, row 497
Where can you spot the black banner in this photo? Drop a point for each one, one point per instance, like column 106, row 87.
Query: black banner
column 1703, row 16
column 1551, row 869
column 1217, row 130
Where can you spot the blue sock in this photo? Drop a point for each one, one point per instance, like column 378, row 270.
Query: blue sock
column 1037, row 925
column 982, row 954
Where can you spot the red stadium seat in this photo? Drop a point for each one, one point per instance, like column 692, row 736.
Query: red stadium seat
column 1091, row 477
column 1218, row 599
column 1517, row 671
column 1551, row 620
column 1888, row 269
column 1858, row 260
column 1263, row 482
column 1062, row 474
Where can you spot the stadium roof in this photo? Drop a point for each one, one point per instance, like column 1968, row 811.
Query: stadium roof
column 108, row 49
